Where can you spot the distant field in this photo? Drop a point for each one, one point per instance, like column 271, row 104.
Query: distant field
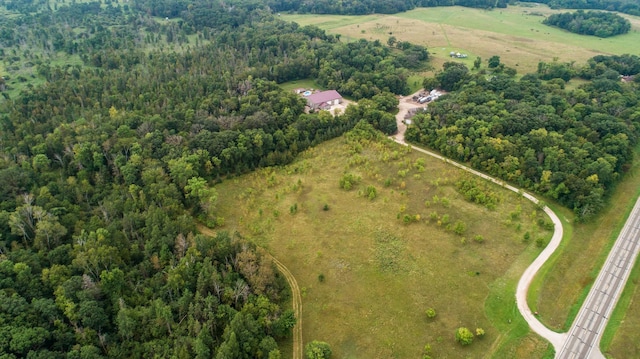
column 367, row 277
column 516, row 34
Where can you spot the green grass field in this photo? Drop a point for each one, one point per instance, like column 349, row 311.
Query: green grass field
column 306, row 83
column 515, row 34
column 379, row 273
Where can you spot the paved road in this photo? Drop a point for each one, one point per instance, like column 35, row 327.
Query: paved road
column 584, row 336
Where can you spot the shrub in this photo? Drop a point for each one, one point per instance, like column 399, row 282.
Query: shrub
column 371, row 192
column 431, row 313
column 349, row 180
column 464, row 336
column 317, row 350
column 478, row 238
column 459, row 228
column 479, row 332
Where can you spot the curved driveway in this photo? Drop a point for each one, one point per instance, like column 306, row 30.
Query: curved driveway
column 556, row 339
column 587, row 329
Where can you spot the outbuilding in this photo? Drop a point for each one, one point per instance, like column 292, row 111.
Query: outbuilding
column 324, row 99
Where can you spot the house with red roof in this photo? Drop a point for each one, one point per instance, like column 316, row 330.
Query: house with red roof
column 324, row 99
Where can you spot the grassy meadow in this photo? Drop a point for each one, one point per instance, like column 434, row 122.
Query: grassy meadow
column 370, row 265
column 516, row 34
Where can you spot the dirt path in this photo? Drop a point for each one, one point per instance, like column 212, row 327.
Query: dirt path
column 556, row 339
column 406, row 103
column 296, row 298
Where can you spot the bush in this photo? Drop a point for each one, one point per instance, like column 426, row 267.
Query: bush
column 317, row 350
column 371, row 192
column 431, row 313
column 464, row 336
column 459, row 228
column 479, row 332
column 349, row 180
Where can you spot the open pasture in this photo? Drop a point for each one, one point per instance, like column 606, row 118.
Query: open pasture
column 371, row 260
column 516, row 34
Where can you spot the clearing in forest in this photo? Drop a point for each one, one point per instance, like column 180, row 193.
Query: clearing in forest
column 376, row 234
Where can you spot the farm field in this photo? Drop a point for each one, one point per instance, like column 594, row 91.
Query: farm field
column 516, row 34
column 370, row 265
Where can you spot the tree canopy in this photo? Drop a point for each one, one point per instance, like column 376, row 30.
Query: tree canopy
column 596, row 23
column 572, row 146
column 108, row 167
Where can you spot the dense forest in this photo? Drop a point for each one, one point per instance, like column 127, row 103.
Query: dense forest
column 596, row 23
column 108, row 166
column 572, row 146
column 115, row 125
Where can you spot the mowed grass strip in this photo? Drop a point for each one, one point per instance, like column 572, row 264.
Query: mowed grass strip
column 516, row 34
column 372, row 259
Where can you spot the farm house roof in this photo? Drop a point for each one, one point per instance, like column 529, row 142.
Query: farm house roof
column 324, row 96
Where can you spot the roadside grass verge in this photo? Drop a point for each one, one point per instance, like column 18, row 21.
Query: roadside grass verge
column 372, row 259
column 566, row 217
column 620, row 336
